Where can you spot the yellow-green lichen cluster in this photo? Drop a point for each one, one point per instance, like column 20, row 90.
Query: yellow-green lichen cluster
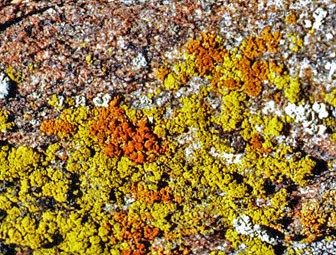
column 161, row 180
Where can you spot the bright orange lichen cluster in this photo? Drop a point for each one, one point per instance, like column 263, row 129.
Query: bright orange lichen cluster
column 120, row 137
column 231, row 84
column 253, row 74
column 255, row 71
column 213, row 59
column 58, row 127
column 135, row 232
column 255, row 47
column 208, row 50
column 256, row 142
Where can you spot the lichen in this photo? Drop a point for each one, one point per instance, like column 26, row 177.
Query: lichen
column 4, row 123
column 121, row 179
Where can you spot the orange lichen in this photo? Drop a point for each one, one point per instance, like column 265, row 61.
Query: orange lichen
column 255, row 47
column 207, row 56
column 312, row 220
column 256, row 142
column 314, row 215
column 247, row 70
column 208, row 51
column 253, row 75
column 253, row 88
column 253, row 70
column 135, row 232
column 58, row 127
column 120, row 137
column 231, row 84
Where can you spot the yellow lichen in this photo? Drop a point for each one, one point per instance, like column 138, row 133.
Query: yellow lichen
column 4, row 124
column 121, row 179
